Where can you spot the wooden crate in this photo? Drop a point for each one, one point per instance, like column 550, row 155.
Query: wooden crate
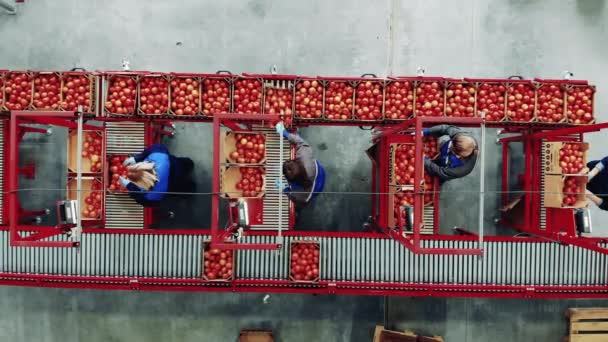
column 587, row 324
column 383, row 335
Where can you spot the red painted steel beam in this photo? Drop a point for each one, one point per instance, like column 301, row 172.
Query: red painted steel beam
column 570, row 130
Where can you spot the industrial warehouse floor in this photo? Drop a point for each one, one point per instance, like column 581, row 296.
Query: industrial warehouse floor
column 478, row 38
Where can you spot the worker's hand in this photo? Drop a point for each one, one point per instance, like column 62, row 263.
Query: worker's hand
column 124, row 181
column 280, row 127
column 129, row 161
column 585, row 171
column 280, row 185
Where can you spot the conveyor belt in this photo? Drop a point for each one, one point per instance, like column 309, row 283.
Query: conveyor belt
column 1, row 169
column 121, row 210
column 342, row 259
column 271, row 200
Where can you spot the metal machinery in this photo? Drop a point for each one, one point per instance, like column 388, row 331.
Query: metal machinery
column 121, row 251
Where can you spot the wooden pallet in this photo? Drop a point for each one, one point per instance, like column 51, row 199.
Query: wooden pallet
column 587, row 325
column 383, row 335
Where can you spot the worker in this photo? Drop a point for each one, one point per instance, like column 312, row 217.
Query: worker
column 154, row 172
column 597, row 187
column 304, row 174
column 458, row 153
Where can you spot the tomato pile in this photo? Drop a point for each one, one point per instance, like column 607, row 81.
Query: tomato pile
column 404, row 164
column 430, row 148
column 571, row 191
column 218, row 264
column 75, row 91
column 121, row 95
column 185, row 96
column 216, row 96
column 252, row 181
column 153, row 95
column 368, row 101
column 92, row 207
column 461, row 100
column 571, row 159
column 1, row 87
column 579, row 105
column 250, row 148
column 92, row 149
column 18, row 90
column 278, row 101
column 399, row 99
column 339, row 101
column 309, row 99
column 520, row 102
column 46, row 91
column 247, row 96
column 429, row 99
column 117, row 170
column 491, row 100
column 304, row 261
column 550, row 103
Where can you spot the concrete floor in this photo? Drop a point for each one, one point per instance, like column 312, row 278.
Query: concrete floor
column 481, row 38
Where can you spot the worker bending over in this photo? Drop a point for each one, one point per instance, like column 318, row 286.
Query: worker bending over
column 154, row 172
column 458, row 153
column 304, row 174
column 597, row 187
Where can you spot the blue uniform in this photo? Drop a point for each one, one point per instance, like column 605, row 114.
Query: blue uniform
column 173, row 175
column 598, row 185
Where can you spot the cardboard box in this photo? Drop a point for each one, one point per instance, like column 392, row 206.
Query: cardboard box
column 316, row 245
column 554, row 187
column 211, row 253
column 72, row 151
column 88, row 183
column 552, row 156
column 229, row 178
column 256, row 336
column 384, row 335
column 228, row 145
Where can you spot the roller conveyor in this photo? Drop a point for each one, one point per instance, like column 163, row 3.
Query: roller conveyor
column 124, row 138
column 375, row 260
column 273, row 172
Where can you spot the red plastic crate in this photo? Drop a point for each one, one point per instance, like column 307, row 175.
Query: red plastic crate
column 216, row 96
column 79, row 88
column 120, row 92
column 429, row 94
column 583, row 96
column 304, row 261
column 491, row 98
column 369, row 99
column 18, row 90
column 308, row 99
column 218, row 265
column 153, row 94
column 248, row 95
column 339, row 98
column 185, row 94
column 460, row 98
column 47, row 90
column 550, row 101
column 521, row 100
column 398, row 99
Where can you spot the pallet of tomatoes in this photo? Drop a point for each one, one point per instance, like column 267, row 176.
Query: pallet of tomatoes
column 92, row 197
column 218, row 264
column 565, row 191
column 91, row 156
column 115, row 171
column 304, row 261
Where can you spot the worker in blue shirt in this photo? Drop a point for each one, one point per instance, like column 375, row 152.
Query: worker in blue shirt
column 154, row 172
column 304, row 174
column 458, row 152
column 597, row 187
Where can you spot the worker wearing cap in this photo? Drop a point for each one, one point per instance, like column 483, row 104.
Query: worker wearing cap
column 304, row 174
column 458, row 153
column 154, row 172
column 597, row 187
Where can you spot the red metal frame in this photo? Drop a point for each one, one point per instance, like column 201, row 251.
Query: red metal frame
column 218, row 238
column 15, row 133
